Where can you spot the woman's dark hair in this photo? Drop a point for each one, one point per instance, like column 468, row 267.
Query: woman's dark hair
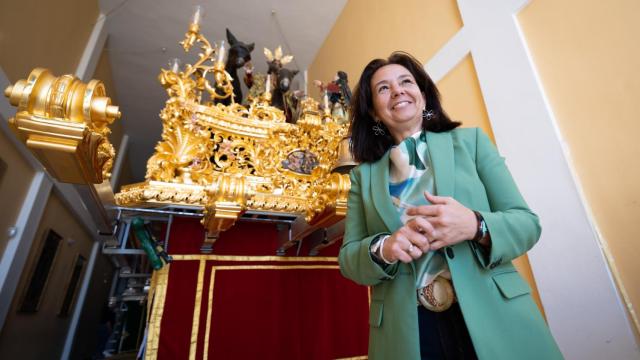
column 365, row 145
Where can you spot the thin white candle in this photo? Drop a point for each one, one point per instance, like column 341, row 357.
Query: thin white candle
column 175, row 65
column 267, row 85
column 326, row 101
column 197, row 15
column 221, row 57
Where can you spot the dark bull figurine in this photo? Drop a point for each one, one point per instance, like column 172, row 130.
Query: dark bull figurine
column 239, row 55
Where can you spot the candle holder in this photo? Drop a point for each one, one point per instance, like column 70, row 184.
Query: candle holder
column 212, row 59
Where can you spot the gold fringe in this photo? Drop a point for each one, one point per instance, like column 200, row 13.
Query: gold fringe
column 276, row 267
column 160, row 280
column 255, row 258
column 196, row 311
column 209, row 314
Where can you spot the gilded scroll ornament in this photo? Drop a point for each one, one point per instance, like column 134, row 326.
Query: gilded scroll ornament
column 64, row 122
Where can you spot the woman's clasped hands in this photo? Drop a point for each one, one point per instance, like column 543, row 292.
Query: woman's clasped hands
column 444, row 222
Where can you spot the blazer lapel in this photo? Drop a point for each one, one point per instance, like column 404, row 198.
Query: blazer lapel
column 440, row 147
column 380, row 193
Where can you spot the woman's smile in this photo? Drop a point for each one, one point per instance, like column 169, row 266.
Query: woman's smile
column 400, row 104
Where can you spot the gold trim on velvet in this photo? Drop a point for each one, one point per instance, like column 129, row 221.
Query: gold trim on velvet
column 150, row 301
column 255, row 258
column 208, row 326
column 150, row 297
column 159, row 280
column 272, row 267
column 248, row 267
column 363, row 357
column 196, row 311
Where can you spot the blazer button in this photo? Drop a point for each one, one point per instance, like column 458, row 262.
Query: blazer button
column 450, row 253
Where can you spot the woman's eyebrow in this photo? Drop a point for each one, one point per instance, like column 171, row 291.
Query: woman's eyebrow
column 380, row 82
column 386, row 81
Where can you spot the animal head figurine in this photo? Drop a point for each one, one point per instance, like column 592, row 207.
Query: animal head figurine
column 239, row 52
column 285, row 76
column 239, row 55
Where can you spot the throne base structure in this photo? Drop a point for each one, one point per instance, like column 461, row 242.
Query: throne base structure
column 240, row 303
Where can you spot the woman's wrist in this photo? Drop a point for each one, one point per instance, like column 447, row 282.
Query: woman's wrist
column 382, row 241
column 482, row 232
column 377, row 250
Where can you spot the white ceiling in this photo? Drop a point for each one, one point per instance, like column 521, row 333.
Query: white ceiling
column 144, row 36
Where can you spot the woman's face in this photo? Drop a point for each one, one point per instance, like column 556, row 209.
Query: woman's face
column 397, row 101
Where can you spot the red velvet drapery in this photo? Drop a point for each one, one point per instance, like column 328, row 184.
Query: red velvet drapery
column 241, row 302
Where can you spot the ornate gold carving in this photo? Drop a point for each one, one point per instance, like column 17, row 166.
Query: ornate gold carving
column 230, row 158
column 224, row 159
column 193, row 81
column 329, row 205
column 161, row 193
column 63, row 121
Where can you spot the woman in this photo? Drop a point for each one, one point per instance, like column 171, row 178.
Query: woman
column 434, row 220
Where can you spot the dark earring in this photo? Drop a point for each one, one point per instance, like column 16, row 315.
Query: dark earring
column 377, row 129
column 427, row 114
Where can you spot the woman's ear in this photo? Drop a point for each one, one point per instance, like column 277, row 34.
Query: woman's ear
column 424, row 98
column 373, row 115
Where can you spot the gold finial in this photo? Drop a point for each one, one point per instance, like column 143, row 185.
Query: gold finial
column 113, row 112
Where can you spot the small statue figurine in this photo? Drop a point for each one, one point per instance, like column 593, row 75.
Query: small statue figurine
column 338, row 95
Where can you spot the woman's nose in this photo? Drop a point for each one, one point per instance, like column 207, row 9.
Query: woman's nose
column 396, row 90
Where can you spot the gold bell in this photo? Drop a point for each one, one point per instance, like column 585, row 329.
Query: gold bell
column 345, row 158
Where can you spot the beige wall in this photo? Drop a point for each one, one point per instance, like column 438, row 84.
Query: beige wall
column 14, row 186
column 372, row 29
column 21, row 330
column 461, row 96
column 50, row 34
column 587, row 57
column 369, row 29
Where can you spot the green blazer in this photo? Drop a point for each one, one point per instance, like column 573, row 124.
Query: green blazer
column 502, row 318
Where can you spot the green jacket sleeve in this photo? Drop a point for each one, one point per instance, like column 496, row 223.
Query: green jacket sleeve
column 355, row 258
column 514, row 228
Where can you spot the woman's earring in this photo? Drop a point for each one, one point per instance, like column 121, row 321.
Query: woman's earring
column 427, row 114
column 377, row 129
